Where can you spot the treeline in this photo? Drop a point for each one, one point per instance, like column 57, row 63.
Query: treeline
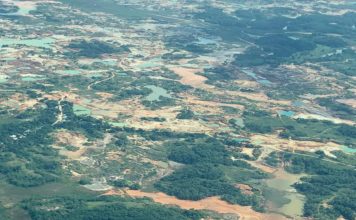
column 27, row 157
column 204, row 173
column 95, row 48
column 329, row 187
column 104, row 208
column 185, row 114
column 164, row 135
column 340, row 110
column 300, row 129
column 7, row 8
column 91, row 127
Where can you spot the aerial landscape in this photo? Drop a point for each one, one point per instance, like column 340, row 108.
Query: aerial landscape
column 177, row 109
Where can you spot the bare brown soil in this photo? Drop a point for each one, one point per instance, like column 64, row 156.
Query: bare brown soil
column 274, row 142
column 262, row 166
column 189, row 77
column 212, row 203
column 192, row 100
column 70, row 139
column 322, row 118
column 350, row 102
column 245, row 189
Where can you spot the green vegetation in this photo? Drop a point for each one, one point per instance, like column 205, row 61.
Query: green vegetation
column 71, row 148
column 183, row 42
column 27, row 157
column 344, row 158
column 329, row 187
column 156, row 119
column 3, row 212
column 103, row 207
column 6, row 8
column 111, row 7
column 94, row 48
column 274, row 38
column 129, row 93
column 301, row 129
column 185, row 114
column 69, row 123
column 339, row 109
column 272, row 50
column 162, row 102
column 125, row 183
column 91, row 127
column 274, row 159
column 208, row 172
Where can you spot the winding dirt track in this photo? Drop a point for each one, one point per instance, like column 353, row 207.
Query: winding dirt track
column 60, row 116
column 112, row 75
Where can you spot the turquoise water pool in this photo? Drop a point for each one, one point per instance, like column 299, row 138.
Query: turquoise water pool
column 286, row 113
column 156, row 93
column 41, row 42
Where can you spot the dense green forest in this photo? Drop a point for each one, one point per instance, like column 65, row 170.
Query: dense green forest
column 27, row 157
column 103, row 207
column 94, row 48
column 204, row 175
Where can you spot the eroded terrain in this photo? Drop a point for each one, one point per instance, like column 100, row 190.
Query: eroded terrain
column 235, row 109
